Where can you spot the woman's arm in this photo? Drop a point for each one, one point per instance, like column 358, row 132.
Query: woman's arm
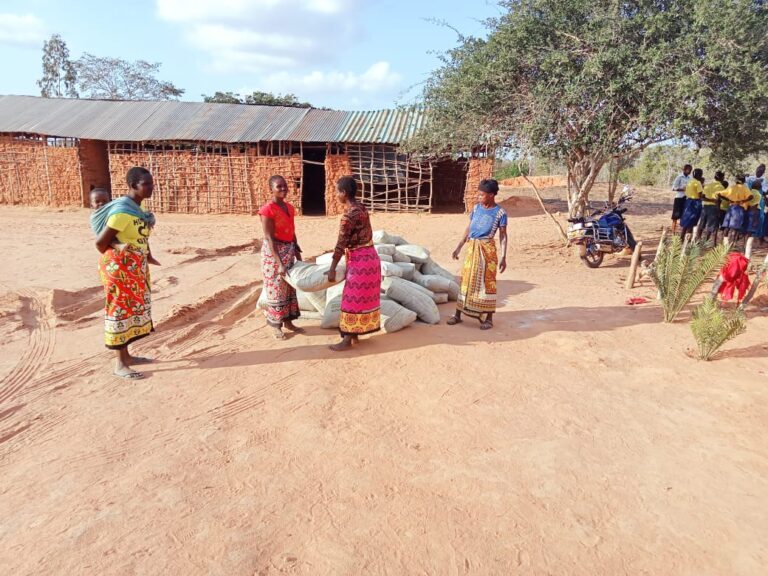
column 105, row 239
column 345, row 229
column 463, row 241
column 297, row 247
column 268, row 225
column 503, row 239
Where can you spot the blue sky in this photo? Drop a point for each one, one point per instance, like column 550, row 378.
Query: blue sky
column 345, row 54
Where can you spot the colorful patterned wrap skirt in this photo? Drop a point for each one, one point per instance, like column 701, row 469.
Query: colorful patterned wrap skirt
column 124, row 273
column 361, row 297
column 282, row 303
column 477, row 296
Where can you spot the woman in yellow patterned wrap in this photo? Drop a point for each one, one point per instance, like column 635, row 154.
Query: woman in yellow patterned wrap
column 477, row 297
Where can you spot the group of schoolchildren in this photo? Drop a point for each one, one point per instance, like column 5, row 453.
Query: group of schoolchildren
column 736, row 210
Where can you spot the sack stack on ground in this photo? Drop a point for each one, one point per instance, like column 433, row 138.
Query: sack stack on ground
column 412, row 286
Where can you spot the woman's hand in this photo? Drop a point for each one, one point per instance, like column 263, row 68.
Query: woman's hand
column 332, row 275
column 151, row 259
column 502, row 265
column 456, row 253
column 281, row 269
column 298, row 254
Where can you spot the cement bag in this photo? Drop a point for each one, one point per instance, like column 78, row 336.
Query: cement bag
column 316, row 299
column 432, row 267
column 400, row 257
column 304, row 304
column 412, row 297
column 433, row 282
column 311, row 277
column 417, row 254
column 326, row 258
column 334, row 291
column 440, row 298
column 395, row 317
column 407, row 268
column 387, row 249
column 332, row 314
column 385, row 258
column 382, row 237
column 390, row 269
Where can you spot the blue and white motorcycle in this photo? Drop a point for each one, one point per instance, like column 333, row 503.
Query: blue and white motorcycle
column 603, row 232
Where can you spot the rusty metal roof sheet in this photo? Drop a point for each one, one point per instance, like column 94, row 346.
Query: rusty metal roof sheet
column 199, row 121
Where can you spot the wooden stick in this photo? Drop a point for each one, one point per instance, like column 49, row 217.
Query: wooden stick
column 633, row 266
column 748, row 247
column 563, row 235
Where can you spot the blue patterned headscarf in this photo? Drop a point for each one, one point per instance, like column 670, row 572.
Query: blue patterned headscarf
column 122, row 205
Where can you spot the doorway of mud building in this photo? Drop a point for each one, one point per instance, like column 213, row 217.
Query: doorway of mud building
column 313, row 182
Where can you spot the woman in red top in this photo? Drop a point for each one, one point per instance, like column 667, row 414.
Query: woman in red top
column 278, row 253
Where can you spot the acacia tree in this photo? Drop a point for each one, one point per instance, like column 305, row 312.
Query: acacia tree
column 117, row 79
column 59, row 74
column 594, row 82
column 257, row 98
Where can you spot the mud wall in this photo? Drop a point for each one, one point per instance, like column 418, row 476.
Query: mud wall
column 336, row 166
column 94, row 167
column 479, row 168
column 35, row 174
column 203, row 183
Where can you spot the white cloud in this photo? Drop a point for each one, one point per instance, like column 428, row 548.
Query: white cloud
column 21, row 30
column 378, row 79
column 261, row 36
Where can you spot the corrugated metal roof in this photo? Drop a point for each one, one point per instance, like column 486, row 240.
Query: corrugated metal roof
column 140, row 121
column 382, row 126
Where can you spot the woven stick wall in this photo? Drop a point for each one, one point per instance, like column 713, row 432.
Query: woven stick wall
column 32, row 173
column 391, row 182
column 225, row 180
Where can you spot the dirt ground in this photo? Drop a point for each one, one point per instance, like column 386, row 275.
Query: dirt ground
column 579, row 437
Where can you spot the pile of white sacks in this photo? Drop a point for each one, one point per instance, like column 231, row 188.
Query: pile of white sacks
column 411, row 288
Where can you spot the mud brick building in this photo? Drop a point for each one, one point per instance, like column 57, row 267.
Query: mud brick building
column 216, row 158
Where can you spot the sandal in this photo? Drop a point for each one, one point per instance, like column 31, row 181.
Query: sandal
column 487, row 325
column 452, row 321
column 132, row 375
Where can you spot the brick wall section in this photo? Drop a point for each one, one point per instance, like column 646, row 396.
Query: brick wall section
column 94, row 166
column 34, row 174
column 200, row 183
column 336, row 166
column 479, row 168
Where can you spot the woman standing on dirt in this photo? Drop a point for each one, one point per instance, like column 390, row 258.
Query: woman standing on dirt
column 122, row 230
column 477, row 295
column 360, row 299
column 278, row 253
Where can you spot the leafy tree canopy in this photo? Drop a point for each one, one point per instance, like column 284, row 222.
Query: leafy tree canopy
column 588, row 82
column 117, row 79
column 257, row 98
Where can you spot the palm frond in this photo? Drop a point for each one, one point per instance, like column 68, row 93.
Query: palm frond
column 712, row 327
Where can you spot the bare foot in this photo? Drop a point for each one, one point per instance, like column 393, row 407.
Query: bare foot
column 453, row 320
column 278, row 334
column 487, row 325
column 293, row 328
column 345, row 344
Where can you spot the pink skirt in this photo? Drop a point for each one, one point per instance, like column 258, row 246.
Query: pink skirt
column 361, row 298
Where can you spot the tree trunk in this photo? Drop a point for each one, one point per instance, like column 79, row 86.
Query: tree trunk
column 583, row 171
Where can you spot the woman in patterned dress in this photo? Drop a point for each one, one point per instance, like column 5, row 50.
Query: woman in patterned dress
column 360, row 299
column 122, row 230
column 278, row 253
column 477, row 296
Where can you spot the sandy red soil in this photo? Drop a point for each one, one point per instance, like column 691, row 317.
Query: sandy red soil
column 579, row 437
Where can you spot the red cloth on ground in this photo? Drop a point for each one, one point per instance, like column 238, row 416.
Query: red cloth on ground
column 735, row 277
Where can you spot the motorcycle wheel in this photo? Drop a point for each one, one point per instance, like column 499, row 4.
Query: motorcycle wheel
column 592, row 258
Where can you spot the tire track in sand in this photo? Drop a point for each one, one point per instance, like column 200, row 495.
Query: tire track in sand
column 38, row 351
